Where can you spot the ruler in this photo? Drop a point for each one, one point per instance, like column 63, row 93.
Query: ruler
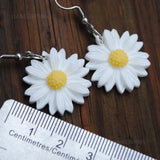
column 29, row 134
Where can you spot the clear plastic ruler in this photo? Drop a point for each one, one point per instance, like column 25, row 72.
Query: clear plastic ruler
column 29, row 134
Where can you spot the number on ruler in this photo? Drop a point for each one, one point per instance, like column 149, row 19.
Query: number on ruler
column 60, row 144
column 31, row 130
column 89, row 156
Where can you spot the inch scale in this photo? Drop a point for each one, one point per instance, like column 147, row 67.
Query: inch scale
column 28, row 134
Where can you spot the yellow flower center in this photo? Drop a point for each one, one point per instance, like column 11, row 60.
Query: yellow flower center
column 118, row 58
column 57, row 79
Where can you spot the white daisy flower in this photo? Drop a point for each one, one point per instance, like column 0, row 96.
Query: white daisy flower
column 117, row 61
column 57, row 81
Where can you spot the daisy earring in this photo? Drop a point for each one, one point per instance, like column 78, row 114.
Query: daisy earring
column 55, row 80
column 117, row 61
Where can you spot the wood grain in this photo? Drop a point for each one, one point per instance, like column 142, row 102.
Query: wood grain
column 131, row 119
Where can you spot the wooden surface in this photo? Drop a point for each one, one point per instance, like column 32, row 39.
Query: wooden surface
column 131, row 119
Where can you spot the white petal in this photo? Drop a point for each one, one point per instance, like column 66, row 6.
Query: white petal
column 92, row 65
column 97, row 74
column 38, row 94
column 129, row 85
column 44, row 53
column 109, row 40
column 94, row 57
column 33, row 80
column 119, row 82
column 78, row 88
column 76, row 97
column 32, row 89
column 137, row 47
column 52, row 103
column 140, row 72
column 130, row 42
column 54, row 60
column 68, row 102
column 81, row 81
column 142, row 55
column 110, row 83
column 133, row 78
column 105, row 77
column 123, row 39
column 98, row 49
column 62, row 53
column 53, row 51
column 35, row 72
column 40, row 66
column 60, row 102
column 73, row 58
column 139, row 63
column 41, row 103
column 116, row 38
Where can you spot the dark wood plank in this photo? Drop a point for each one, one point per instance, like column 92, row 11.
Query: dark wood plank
column 131, row 119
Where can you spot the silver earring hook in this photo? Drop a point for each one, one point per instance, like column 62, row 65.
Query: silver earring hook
column 20, row 56
column 70, row 8
column 89, row 26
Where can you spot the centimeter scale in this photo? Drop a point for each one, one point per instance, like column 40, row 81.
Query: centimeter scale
column 28, row 134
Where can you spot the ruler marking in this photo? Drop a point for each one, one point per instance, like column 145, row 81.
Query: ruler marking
column 109, row 150
column 9, row 112
column 21, row 107
column 78, row 135
column 135, row 155
column 105, row 146
column 108, row 146
column 116, row 153
column 49, row 122
column 75, row 133
column 120, row 147
column 38, row 115
column 46, row 120
column 129, row 153
column 43, row 119
column 97, row 146
column 112, row 150
column 115, row 150
column 64, row 129
column 126, row 152
column 138, row 156
column 17, row 109
column 132, row 155
column 52, row 123
column 83, row 139
column 58, row 127
column 29, row 113
column 80, row 138
column 25, row 114
column 102, row 145
column 61, row 127
column 93, row 140
column 54, row 126
column 5, row 149
column 72, row 132
column 87, row 138
column 41, row 116
column 67, row 136
column 90, row 139
column 34, row 117
column 14, row 108
column 123, row 152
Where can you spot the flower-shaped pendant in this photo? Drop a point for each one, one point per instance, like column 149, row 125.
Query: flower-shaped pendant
column 117, row 61
column 57, row 81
